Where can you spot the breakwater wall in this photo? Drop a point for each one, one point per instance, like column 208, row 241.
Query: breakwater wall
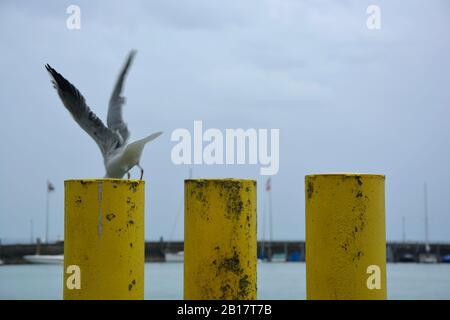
column 155, row 250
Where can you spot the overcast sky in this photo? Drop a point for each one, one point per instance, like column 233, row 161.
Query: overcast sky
column 344, row 97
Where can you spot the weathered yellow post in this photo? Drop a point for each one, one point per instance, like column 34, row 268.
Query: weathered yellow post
column 104, row 239
column 220, row 239
column 345, row 236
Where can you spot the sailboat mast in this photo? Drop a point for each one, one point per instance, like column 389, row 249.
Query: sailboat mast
column 427, row 245
column 179, row 212
column 263, row 240
column 31, row 231
column 270, row 223
column 404, row 229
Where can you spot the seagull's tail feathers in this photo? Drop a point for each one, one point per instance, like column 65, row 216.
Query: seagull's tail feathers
column 133, row 150
column 151, row 137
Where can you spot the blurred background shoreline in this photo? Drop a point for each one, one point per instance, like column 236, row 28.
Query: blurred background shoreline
column 277, row 251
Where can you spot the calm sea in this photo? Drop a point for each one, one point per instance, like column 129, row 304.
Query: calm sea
column 275, row 281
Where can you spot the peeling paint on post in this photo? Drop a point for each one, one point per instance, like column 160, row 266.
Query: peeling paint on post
column 345, row 236
column 104, row 237
column 220, row 239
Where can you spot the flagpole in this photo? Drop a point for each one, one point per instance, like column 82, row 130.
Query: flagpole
column 46, row 214
column 263, row 240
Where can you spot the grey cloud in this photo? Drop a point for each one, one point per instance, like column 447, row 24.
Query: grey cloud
column 345, row 99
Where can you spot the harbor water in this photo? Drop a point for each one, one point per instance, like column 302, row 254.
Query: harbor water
column 275, row 281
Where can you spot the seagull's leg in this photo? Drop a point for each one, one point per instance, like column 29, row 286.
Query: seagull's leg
column 142, row 171
column 128, row 175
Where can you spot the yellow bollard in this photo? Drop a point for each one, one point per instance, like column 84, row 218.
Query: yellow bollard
column 220, row 239
column 104, row 239
column 345, row 237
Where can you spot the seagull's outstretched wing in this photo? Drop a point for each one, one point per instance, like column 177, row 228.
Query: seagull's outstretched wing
column 115, row 121
column 72, row 99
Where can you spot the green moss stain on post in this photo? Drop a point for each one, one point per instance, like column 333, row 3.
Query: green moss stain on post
column 220, row 239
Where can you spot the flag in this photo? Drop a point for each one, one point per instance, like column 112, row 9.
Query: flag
column 50, row 187
column 268, row 185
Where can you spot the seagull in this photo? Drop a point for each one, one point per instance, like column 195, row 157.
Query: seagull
column 119, row 156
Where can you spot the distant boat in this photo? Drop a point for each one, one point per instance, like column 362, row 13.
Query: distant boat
column 295, row 256
column 446, row 258
column 279, row 257
column 174, row 257
column 427, row 258
column 407, row 257
column 44, row 259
